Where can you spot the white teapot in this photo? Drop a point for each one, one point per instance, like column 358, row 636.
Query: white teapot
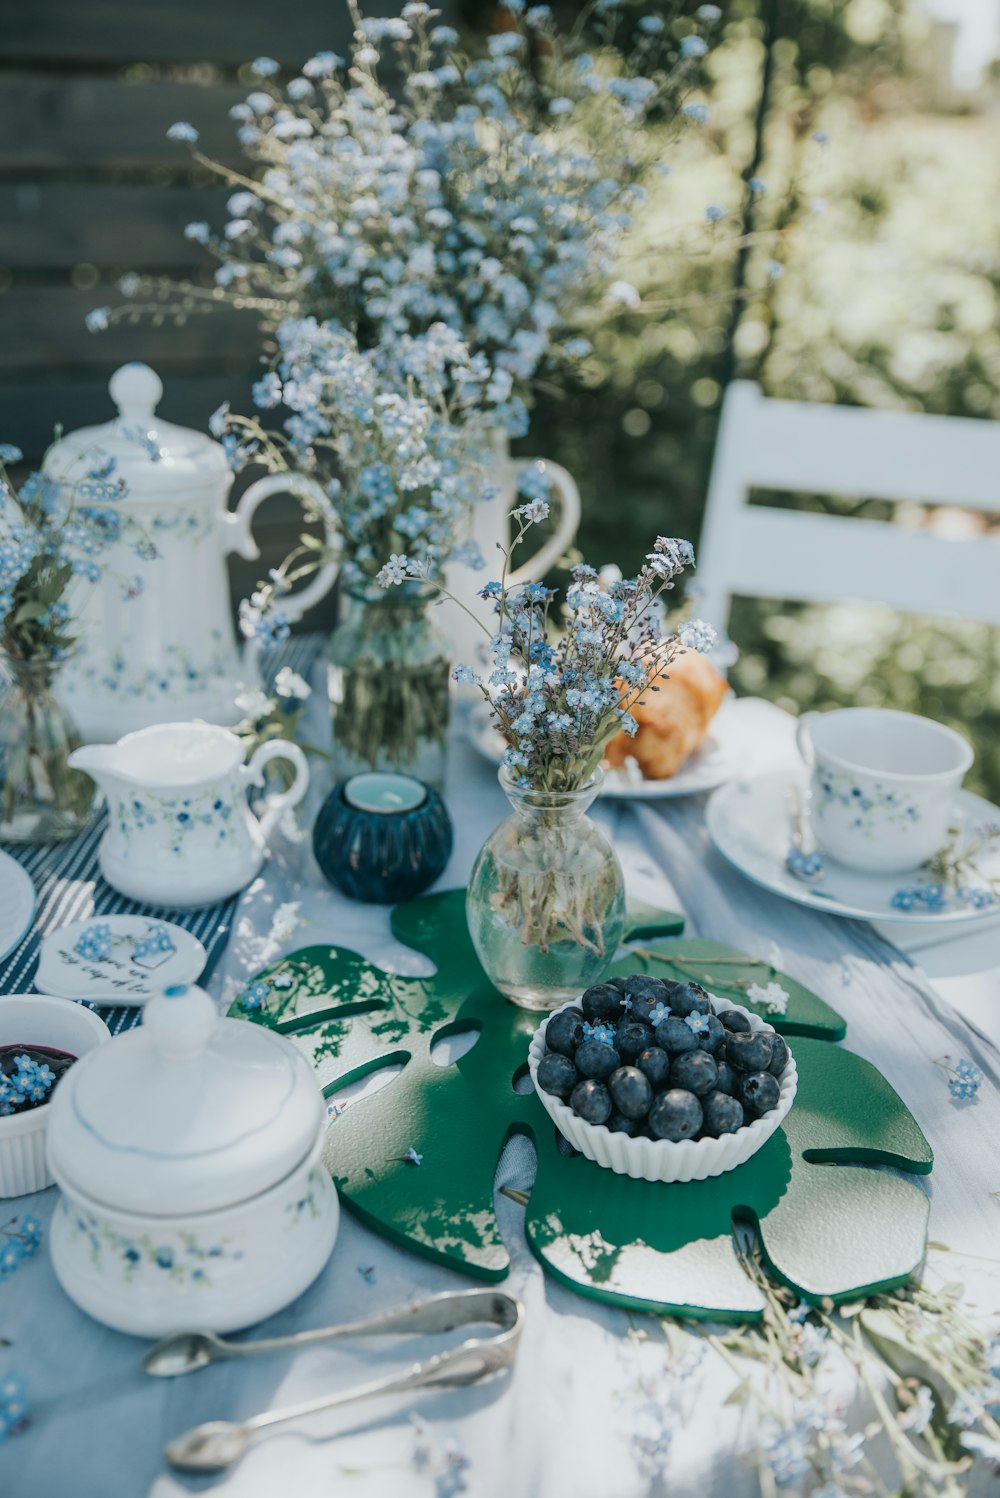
column 180, row 831
column 155, row 637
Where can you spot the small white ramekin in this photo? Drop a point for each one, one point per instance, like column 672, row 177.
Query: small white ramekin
column 661, row 1159
column 37, row 1019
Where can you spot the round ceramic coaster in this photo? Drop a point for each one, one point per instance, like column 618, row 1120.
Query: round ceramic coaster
column 117, row 959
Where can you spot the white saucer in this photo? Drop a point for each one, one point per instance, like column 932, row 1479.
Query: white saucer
column 721, row 756
column 748, row 822
column 17, row 904
column 123, row 977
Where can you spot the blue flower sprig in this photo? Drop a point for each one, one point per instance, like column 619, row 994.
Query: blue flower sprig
column 30, row 1082
column 558, row 696
column 964, row 1078
column 20, row 1242
column 13, row 1406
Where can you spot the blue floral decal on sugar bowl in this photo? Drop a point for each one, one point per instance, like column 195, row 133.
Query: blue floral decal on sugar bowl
column 181, row 1256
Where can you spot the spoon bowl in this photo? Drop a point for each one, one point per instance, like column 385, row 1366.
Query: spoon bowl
column 208, row 1448
column 184, row 1353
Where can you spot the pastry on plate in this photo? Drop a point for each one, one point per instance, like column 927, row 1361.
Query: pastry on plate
column 673, row 717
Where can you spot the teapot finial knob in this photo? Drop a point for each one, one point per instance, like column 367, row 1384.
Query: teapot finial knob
column 135, row 390
column 182, row 1019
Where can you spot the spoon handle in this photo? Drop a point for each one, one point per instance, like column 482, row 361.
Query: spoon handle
column 439, row 1313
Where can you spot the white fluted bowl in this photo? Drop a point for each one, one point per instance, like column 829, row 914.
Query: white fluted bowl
column 37, row 1019
column 662, row 1159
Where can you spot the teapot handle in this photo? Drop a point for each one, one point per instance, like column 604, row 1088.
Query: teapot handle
column 241, row 540
column 562, row 485
column 254, row 773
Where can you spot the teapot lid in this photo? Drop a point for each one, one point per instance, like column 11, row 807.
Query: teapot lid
column 186, row 1113
column 152, row 456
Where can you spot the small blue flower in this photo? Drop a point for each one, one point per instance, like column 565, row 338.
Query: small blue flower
column 282, row 980
column 693, row 46
column 256, row 995
column 696, row 112
column 658, row 1013
column 600, row 1032
column 264, row 67
column 904, row 899
column 714, row 213
column 11, row 1255
column 697, row 1023
column 9, row 453
column 164, row 1258
column 182, row 131
column 411, row 1157
column 367, row 1273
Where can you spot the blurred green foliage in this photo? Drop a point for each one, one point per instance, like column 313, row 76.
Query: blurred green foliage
column 888, row 239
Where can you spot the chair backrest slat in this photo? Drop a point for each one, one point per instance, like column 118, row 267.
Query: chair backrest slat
column 794, row 447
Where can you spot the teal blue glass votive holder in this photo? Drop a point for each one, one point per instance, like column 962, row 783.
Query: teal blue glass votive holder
column 382, row 838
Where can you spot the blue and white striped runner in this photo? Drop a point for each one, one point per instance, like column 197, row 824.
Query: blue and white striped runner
column 69, row 887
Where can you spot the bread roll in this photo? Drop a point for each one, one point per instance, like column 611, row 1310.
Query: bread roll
column 673, row 720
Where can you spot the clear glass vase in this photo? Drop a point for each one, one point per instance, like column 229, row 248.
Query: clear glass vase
column 546, row 901
column 388, row 668
column 41, row 799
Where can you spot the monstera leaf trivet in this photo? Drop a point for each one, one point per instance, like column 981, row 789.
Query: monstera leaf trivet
column 832, row 1223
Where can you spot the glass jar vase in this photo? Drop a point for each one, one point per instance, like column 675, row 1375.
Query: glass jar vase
column 388, row 668
column 41, row 799
column 546, row 900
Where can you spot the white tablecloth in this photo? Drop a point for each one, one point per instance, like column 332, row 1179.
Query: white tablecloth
column 563, row 1426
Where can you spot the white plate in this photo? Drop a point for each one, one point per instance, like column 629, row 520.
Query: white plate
column 748, row 821
column 17, row 904
column 123, row 977
column 721, row 756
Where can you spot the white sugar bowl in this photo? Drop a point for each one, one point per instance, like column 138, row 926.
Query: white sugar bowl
column 188, row 1155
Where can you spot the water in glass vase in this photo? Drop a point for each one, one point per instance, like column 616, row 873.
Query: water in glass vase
column 546, row 901
column 387, row 674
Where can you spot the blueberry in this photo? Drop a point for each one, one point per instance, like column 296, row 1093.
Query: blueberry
column 735, row 1020
column 644, row 994
column 619, row 983
column 619, row 1124
column 683, row 1001
column 728, row 1079
column 675, row 1115
column 595, row 1059
column 632, row 1037
column 591, row 1101
column 656, row 1065
column 759, row 1092
column 711, row 1040
column 557, row 1074
column 564, row 1032
column 779, row 1055
column 749, row 1052
column 704, row 998
column 630, row 1091
column 601, row 1002
column 723, row 1114
column 673, row 1035
column 694, row 1072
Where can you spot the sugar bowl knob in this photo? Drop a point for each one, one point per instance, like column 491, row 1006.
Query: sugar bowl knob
column 182, row 1020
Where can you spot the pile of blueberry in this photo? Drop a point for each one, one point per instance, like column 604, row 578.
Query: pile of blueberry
column 646, row 1056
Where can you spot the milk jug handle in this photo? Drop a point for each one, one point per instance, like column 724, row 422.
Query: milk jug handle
column 278, row 805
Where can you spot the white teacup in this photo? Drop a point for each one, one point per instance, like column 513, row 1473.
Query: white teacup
column 883, row 785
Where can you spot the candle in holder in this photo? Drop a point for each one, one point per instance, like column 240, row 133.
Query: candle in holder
column 382, row 837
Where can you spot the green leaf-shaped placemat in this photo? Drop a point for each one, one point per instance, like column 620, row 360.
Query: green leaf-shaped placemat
column 826, row 1229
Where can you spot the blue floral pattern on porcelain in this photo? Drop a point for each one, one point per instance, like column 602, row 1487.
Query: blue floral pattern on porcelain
column 179, row 1255
column 871, row 807
column 176, row 816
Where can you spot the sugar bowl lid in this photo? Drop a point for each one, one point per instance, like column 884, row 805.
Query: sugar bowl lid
column 186, row 1113
column 153, row 456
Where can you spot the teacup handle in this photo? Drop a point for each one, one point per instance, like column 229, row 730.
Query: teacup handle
column 240, row 521
column 278, row 805
column 563, row 486
column 803, row 739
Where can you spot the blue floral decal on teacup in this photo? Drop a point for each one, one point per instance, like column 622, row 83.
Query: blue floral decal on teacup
column 871, row 807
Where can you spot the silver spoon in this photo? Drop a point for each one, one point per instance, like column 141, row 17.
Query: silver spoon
column 188, row 1351
column 218, row 1443
column 804, row 861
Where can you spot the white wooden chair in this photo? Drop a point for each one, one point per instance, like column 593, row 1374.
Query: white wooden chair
column 790, row 446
